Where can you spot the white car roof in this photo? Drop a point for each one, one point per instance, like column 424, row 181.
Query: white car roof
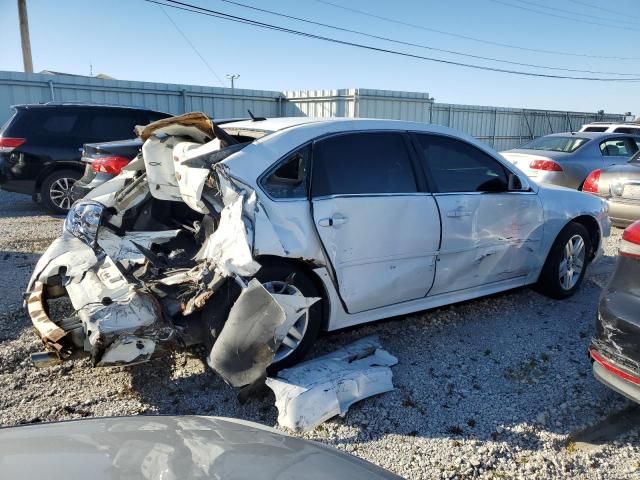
column 288, row 133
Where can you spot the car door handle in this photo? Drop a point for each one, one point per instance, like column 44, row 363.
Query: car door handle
column 458, row 213
column 332, row 221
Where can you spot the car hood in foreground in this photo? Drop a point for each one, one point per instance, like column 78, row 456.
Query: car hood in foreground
column 168, row 448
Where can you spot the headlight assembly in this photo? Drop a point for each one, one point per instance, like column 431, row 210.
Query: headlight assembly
column 83, row 221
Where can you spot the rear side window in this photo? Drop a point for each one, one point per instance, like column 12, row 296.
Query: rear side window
column 290, row 177
column 618, row 147
column 60, row 123
column 595, row 129
column 362, row 163
column 457, row 166
column 112, row 126
column 631, row 130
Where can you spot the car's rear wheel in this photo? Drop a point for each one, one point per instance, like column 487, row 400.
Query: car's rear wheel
column 55, row 190
column 566, row 264
column 287, row 279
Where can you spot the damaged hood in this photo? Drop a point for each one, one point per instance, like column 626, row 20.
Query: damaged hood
column 170, row 448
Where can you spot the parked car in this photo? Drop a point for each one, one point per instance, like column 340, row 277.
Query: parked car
column 620, row 186
column 171, row 447
column 103, row 161
column 632, row 128
column 615, row 350
column 566, row 159
column 40, row 145
column 297, row 225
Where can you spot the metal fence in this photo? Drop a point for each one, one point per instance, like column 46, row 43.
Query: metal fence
column 499, row 127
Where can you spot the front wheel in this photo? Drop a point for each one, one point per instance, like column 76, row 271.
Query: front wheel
column 566, row 264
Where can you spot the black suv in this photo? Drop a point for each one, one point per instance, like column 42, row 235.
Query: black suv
column 40, row 145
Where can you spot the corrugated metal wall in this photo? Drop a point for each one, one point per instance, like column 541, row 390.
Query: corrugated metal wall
column 501, row 128
column 18, row 87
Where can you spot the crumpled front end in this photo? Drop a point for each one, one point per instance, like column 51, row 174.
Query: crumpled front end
column 142, row 255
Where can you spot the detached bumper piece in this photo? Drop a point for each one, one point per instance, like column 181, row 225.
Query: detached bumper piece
column 50, row 333
column 622, row 379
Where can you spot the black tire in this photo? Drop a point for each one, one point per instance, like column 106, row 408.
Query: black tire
column 550, row 282
column 217, row 309
column 58, row 181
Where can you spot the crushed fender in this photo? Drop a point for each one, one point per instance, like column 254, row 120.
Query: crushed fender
column 317, row 390
column 257, row 324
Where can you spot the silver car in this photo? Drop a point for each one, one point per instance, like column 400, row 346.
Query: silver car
column 566, row 159
column 254, row 236
column 620, row 186
column 171, row 447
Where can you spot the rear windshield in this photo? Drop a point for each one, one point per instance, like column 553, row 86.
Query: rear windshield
column 556, row 144
column 635, row 158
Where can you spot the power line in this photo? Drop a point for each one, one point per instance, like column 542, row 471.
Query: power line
column 599, row 7
column 427, row 47
column 579, row 20
column 474, row 39
column 238, row 19
column 578, row 14
column 193, row 47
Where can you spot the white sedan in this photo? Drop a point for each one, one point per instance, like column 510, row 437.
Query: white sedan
column 254, row 237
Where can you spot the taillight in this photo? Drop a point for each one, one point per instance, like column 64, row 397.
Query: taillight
column 547, row 165
column 111, row 165
column 630, row 243
column 591, row 183
column 7, row 143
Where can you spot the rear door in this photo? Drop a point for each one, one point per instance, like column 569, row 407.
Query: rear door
column 379, row 228
column 617, row 150
column 489, row 234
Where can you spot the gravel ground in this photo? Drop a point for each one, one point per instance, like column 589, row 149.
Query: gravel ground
column 491, row 388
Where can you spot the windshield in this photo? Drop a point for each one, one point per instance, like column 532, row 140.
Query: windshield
column 556, row 144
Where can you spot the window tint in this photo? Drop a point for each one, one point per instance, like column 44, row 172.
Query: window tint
column 457, row 166
column 112, row 126
column 362, row 163
column 617, row 147
column 290, row 178
column 595, row 129
column 59, row 123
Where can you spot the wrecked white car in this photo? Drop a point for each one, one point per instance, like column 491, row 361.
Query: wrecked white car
column 254, row 237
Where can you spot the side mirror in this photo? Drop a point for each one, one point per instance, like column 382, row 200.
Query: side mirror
column 515, row 185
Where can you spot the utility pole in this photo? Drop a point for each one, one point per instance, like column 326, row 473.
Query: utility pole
column 232, row 77
column 24, row 36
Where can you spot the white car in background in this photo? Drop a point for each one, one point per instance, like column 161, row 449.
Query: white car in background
column 253, row 237
column 632, row 128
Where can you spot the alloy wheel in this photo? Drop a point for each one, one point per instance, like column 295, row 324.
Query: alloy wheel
column 296, row 333
column 60, row 193
column 572, row 262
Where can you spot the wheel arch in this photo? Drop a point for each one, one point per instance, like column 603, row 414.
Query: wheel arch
column 592, row 226
column 52, row 167
column 308, row 268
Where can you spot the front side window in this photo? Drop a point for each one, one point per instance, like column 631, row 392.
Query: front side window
column 567, row 144
column 617, row 147
column 362, row 163
column 290, row 177
column 457, row 166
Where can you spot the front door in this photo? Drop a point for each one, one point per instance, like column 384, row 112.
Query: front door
column 489, row 234
column 379, row 229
